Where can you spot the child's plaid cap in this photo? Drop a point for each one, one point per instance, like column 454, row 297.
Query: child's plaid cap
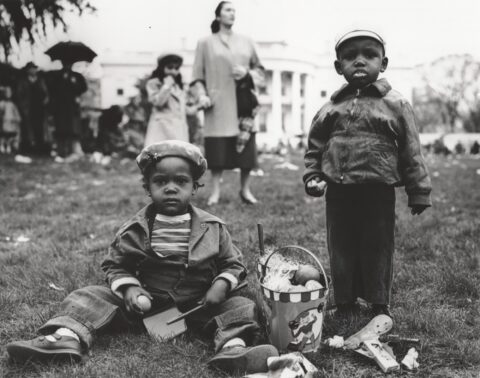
column 157, row 151
column 359, row 33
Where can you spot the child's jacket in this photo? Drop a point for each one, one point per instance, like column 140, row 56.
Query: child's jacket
column 368, row 136
column 211, row 255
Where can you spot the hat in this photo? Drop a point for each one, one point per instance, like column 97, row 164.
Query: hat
column 157, row 151
column 359, row 33
column 172, row 57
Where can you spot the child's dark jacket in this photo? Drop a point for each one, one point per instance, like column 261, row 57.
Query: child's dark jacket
column 212, row 255
column 368, row 136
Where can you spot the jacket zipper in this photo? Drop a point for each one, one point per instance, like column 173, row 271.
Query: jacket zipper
column 354, row 107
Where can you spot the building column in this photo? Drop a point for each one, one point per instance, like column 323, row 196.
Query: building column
column 295, row 127
column 276, row 103
column 310, row 102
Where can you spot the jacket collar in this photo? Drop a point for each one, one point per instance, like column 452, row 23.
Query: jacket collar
column 199, row 218
column 379, row 88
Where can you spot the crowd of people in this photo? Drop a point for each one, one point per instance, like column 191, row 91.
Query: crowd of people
column 32, row 102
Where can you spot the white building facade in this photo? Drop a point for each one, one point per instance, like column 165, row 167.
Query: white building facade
column 298, row 83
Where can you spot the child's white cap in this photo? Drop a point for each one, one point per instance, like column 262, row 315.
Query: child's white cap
column 359, row 33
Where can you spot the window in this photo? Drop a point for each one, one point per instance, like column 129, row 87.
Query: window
column 120, row 92
column 323, row 93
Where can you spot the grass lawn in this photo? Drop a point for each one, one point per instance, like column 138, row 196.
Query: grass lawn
column 69, row 214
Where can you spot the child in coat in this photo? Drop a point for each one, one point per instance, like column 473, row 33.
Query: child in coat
column 168, row 119
column 361, row 145
column 9, row 122
column 174, row 254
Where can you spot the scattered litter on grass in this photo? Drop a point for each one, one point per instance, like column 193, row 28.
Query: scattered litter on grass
column 335, row 342
column 91, row 236
column 287, row 165
column 29, row 196
column 51, row 285
column 98, row 182
column 291, row 365
column 382, row 355
column 435, row 174
column 378, row 326
column 478, row 171
column 22, row 239
column 410, row 360
column 72, row 188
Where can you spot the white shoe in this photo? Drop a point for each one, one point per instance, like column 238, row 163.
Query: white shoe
column 59, row 159
column 23, row 159
column 106, row 160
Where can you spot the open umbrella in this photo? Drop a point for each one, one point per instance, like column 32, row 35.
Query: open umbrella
column 71, row 51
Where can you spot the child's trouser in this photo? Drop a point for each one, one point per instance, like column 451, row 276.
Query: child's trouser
column 91, row 309
column 360, row 237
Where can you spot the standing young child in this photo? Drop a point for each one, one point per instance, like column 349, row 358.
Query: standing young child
column 174, row 254
column 10, row 122
column 168, row 119
column 361, row 145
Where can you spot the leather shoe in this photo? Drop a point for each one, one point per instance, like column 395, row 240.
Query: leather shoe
column 42, row 348
column 247, row 201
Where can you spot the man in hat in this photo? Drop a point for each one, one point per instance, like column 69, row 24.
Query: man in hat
column 175, row 255
column 362, row 144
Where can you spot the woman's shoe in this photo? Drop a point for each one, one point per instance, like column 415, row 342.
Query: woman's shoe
column 247, row 201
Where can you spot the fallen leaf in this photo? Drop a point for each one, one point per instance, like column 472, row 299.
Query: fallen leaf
column 51, row 285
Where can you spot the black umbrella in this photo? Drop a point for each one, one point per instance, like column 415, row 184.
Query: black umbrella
column 71, row 51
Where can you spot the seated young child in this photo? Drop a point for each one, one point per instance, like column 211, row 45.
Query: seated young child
column 174, row 254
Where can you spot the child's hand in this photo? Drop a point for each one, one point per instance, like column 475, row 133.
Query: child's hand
column 217, row 292
column 169, row 81
column 130, row 296
column 418, row 209
column 316, row 187
column 204, row 101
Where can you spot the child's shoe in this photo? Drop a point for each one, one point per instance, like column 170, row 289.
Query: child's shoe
column 239, row 358
column 347, row 309
column 42, row 348
column 379, row 309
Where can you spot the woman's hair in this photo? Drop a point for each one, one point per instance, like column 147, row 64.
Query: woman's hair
column 215, row 25
column 159, row 72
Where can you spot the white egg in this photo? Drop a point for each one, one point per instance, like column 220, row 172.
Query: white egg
column 144, row 303
column 313, row 285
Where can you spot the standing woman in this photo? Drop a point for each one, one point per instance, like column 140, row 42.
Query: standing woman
column 220, row 60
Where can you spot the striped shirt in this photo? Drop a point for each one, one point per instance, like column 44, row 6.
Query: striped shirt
column 170, row 236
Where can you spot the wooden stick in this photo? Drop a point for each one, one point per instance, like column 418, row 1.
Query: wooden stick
column 260, row 238
column 185, row 314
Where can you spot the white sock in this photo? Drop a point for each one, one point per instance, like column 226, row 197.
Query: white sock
column 63, row 332
column 237, row 341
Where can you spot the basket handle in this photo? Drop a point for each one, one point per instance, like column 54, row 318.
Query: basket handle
column 303, row 250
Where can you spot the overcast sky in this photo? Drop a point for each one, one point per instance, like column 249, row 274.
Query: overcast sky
column 416, row 31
